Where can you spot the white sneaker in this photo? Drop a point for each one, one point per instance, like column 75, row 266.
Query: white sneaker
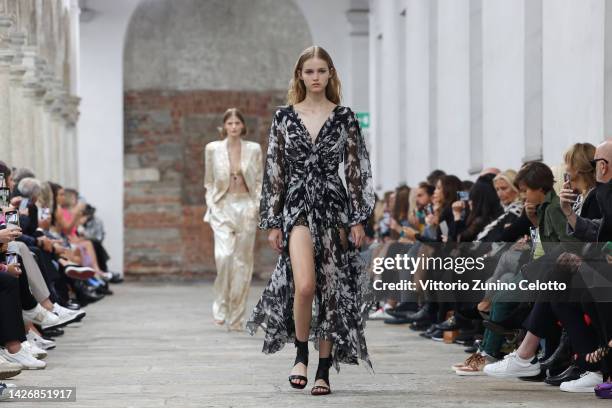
column 42, row 343
column 24, row 358
column 42, row 317
column 512, row 366
column 107, row 276
column 380, row 314
column 64, row 312
column 4, row 395
column 8, row 370
column 586, row 383
column 34, row 350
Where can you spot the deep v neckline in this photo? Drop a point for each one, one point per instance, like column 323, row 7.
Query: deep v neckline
column 305, row 129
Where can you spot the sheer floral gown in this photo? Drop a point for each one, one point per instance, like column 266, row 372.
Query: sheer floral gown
column 302, row 180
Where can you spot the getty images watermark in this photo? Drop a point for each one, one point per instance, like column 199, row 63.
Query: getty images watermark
column 457, row 265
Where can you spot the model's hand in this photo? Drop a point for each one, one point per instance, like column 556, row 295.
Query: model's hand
column 275, row 239
column 357, row 234
column 9, row 234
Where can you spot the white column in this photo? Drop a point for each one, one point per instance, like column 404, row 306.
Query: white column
column 453, row 86
column 16, row 156
column 573, row 74
column 6, row 57
column 608, row 71
column 375, row 65
column 417, row 89
column 533, row 81
column 48, row 128
column 75, row 42
column 475, row 44
column 359, row 57
column 31, row 88
column 39, row 123
column 390, row 141
column 503, row 82
column 74, row 103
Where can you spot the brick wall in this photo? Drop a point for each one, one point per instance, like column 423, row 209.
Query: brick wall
column 165, row 135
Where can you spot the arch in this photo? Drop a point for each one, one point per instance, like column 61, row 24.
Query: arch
column 185, row 62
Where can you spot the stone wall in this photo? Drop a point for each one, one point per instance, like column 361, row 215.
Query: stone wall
column 164, row 196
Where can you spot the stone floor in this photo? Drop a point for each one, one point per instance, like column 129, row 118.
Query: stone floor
column 154, row 345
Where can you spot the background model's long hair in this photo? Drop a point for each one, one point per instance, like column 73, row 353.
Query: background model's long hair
column 297, row 89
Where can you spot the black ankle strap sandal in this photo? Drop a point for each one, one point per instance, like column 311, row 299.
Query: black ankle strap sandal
column 301, row 357
column 322, row 374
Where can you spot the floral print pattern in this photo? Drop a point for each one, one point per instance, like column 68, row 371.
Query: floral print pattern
column 302, row 178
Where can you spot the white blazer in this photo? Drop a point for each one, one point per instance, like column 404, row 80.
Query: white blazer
column 217, row 171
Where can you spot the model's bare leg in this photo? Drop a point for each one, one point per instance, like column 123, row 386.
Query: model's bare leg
column 301, row 253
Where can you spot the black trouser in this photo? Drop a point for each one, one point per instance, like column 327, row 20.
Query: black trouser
column 543, row 323
column 583, row 337
column 11, row 320
column 101, row 255
column 28, row 302
column 53, row 278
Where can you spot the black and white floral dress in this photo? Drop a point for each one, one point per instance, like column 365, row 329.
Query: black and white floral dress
column 302, row 179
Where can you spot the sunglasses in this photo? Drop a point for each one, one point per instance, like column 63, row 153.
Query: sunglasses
column 594, row 162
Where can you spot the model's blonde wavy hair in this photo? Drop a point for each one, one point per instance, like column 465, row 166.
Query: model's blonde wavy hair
column 297, row 89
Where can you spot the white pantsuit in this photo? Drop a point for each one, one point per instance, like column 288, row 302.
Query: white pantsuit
column 233, row 218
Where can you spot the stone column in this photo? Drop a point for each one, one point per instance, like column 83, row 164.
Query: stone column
column 48, row 127
column 31, row 88
column 533, row 71
column 57, row 125
column 38, row 119
column 71, row 140
column 16, row 155
column 6, row 57
column 503, row 82
column 417, row 60
column 573, row 75
column 392, row 146
column 359, row 55
column 453, row 86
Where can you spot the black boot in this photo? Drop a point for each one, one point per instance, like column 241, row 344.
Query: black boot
column 301, row 357
column 561, row 356
column 322, row 374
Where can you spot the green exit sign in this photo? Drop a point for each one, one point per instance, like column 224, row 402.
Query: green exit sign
column 364, row 119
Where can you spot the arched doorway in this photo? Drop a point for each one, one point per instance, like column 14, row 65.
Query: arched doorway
column 185, row 62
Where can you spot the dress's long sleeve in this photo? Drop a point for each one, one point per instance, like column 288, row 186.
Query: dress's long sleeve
column 358, row 175
column 273, row 187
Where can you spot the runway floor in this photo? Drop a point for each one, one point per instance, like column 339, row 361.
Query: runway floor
column 154, row 345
